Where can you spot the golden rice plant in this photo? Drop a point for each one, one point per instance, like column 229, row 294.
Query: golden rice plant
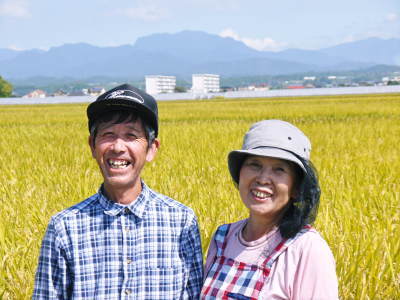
column 46, row 166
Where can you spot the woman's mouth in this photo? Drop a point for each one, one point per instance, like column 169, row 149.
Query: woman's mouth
column 261, row 194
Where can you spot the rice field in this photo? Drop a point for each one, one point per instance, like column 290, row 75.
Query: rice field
column 46, row 166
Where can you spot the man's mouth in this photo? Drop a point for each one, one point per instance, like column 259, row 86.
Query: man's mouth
column 118, row 163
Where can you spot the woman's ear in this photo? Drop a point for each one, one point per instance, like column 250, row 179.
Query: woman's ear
column 295, row 192
column 297, row 183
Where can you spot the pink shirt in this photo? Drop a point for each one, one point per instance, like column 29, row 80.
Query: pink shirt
column 305, row 271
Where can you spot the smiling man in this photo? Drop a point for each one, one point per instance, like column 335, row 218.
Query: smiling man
column 126, row 241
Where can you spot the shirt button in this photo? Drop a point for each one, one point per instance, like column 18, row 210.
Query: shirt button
column 129, row 261
column 127, row 229
column 126, row 210
column 127, row 292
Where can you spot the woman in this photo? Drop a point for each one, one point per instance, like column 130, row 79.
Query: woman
column 275, row 253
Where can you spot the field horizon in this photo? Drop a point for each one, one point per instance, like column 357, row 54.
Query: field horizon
column 47, row 167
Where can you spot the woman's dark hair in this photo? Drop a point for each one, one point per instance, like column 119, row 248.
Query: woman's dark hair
column 122, row 116
column 303, row 209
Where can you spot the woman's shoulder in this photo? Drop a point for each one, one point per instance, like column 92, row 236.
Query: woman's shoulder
column 230, row 228
column 311, row 243
column 237, row 225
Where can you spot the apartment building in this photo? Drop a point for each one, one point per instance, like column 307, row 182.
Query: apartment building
column 159, row 84
column 205, row 83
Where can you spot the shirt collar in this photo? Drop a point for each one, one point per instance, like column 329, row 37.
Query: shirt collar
column 137, row 207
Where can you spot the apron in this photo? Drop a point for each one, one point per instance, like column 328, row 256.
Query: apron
column 231, row 279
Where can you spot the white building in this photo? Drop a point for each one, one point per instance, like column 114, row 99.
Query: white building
column 396, row 78
column 205, row 83
column 35, row 94
column 158, row 84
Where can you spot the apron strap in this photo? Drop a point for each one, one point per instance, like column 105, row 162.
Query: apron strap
column 220, row 238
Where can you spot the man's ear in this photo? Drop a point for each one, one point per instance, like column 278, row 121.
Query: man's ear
column 91, row 144
column 152, row 150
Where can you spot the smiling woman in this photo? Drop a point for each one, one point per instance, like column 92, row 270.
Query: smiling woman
column 274, row 253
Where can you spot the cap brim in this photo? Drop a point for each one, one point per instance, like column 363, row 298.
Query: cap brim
column 236, row 157
column 98, row 108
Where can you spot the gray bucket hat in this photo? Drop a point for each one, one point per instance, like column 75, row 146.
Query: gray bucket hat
column 272, row 138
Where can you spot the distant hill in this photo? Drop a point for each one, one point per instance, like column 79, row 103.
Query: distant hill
column 187, row 52
column 372, row 50
column 196, row 47
column 7, row 54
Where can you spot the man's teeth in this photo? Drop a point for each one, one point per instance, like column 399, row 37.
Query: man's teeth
column 259, row 194
column 118, row 164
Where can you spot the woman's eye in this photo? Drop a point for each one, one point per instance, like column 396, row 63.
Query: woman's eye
column 253, row 164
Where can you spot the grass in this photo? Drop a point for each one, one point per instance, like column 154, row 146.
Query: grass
column 47, row 166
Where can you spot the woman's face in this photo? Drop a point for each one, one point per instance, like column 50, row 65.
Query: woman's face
column 266, row 184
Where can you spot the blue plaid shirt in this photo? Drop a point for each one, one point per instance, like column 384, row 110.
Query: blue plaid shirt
column 99, row 249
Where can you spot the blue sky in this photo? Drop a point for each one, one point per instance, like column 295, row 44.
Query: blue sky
column 271, row 25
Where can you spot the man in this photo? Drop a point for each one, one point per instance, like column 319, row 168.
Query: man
column 127, row 241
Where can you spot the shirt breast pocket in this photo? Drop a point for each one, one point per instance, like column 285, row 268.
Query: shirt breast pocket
column 167, row 281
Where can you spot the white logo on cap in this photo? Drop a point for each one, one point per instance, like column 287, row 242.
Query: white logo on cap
column 125, row 94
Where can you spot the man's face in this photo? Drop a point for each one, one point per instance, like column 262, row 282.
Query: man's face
column 121, row 151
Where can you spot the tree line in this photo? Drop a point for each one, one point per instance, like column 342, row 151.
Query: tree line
column 5, row 88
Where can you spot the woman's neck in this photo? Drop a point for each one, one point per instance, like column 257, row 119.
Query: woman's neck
column 256, row 228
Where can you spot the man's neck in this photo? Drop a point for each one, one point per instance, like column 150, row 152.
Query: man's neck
column 123, row 195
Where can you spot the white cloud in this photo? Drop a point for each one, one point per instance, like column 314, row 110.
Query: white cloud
column 262, row 44
column 148, row 13
column 14, row 8
column 392, row 17
column 217, row 5
column 351, row 38
column 15, row 48
column 228, row 32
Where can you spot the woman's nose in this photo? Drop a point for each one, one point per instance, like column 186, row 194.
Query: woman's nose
column 264, row 176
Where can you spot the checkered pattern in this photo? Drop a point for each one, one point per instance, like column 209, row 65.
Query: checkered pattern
column 98, row 249
column 230, row 279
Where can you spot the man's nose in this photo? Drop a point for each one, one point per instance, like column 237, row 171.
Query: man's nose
column 118, row 145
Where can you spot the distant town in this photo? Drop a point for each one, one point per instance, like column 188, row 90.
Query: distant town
column 211, row 83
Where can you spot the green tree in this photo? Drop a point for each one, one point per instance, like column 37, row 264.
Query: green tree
column 5, row 88
column 393, row 82
column 179, row 89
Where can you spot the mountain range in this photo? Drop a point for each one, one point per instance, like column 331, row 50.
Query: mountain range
column 187, row 52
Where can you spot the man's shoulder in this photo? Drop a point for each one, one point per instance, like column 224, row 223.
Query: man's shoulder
column 72, row 211
column 168, row 203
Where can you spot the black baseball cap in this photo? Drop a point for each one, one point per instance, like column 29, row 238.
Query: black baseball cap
column 125, row 97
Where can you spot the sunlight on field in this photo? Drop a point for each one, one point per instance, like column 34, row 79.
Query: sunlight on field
column 46, row 166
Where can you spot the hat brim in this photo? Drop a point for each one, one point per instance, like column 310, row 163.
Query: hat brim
column 236, row 158
column 98, row 108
